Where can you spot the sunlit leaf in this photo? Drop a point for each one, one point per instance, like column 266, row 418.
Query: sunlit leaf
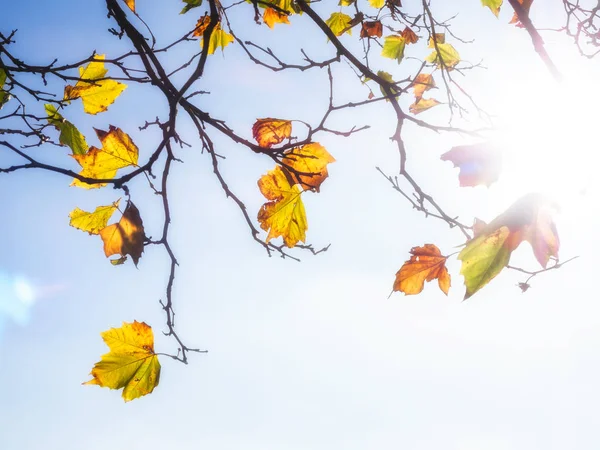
column 131, row 363
column 449, row 56
column 439, row 38
column 423, row 82
column 494, row 5
column 189, row 4
column 425, row 264
column 311, row 159
column 480, row 164
column 92, row 222
column 371, row 29
column 4, row 95
column 95, row 92
column 126, row 237
column 118, row 151
column 409, row 36
column 268, row 132
column 339, row 23
column 393, row 47
column 130, row 4
column 271, row 17
column 201, row 25
column 69, row 134
column 377, row 3
column 423, row 104
column 219, row 39
column 346, row 2
column 284, row 214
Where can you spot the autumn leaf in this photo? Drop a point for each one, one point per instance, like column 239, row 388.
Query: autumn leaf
column 422, row 82
column 449, row 56
column 201, row 25
column 311, row 159
column 92, row 222
column 131, row 363
column 439, row 38
column 371, row 29
column 494, row 5
column 130, row 4
column 346, row 2
column 218, row 37
column 423, row 104
column 126, row 237
column 409, row 36
column 284, row 214
column 526, row 4
column 189, row 4
column 69, row 134
column 118, row 151
column 339, row 23
column 268, row 132
column 271, row 17
column 425, row 264
column 483, row 258
column 95, row 92
column 377, row 3
column 387, row 77
column 480, row 164
column 393, row 47
column 4, row 95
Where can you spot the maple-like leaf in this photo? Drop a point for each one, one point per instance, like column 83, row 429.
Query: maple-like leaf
column 422, row 82
column 189, row 4
column 95, row 92
column 409, row 36
column 271, row 17
column 377, row 3
column 423, row 104
column 69, row 134
column 425, row 264
column 371, row 29
column 483, row 258
column 311, row 159
column 131, row 363
column 118, row 151
column 130, row 4
column 92, row 222
column 339, row 23
column 393, row 47
column 126, row 237
column 268, row 132
column 480, row 164
column 494, row 5
column 449, row 56
column 218, row 38
column 284, row 214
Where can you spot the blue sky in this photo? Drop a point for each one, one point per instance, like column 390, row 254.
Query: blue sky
column 309, row 355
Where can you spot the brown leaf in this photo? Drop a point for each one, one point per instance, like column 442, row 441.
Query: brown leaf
column 126, row 237
column 409, row 36
column 371, row 29
column 425, row 264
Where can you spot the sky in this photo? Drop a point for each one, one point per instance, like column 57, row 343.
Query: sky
column 310, row 355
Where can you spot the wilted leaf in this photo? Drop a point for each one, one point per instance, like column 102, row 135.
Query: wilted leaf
column 479, row 163
column 69, row 134
column 377, row 3
column 393, row 47
column 271, row 17
column 449, row 56
column 494, row 5
column 311, row 159
column 118, row 151
column 130, row 4
column 126, row 237
column 284, row 214
column 339, row 23
column 409, row 36
column 92, row 222
column 425, row 264
column 268, row 132
column 371, row 29
column 423, row 82
column 483, row 258
column 189, row 5
column 201, row 25
column 95, row 92
column 131, row 363
column 423, row 104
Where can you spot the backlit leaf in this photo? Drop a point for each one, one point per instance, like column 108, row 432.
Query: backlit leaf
column 218, row 38
column 425, row 264
column 423, row 82
column 409, row 36
column 346, row 2
column 4, row 95
column 371, row 29
column 189, row 4
column 126, row 237
column 92, row 222
column 271, row 17
column 423, row 104
column 118, row 151
column 393, row 47
column 387, row 77
column 494, row 5
column 131, row 363
column 439, row 38
column 377, row 3
column 449, row 56
column 130, row 4
column 480, row 164
column 339, row 23
column 268, row 132
column 311, row 159
column 284, row 214
column 201, row 25
column 69, row 134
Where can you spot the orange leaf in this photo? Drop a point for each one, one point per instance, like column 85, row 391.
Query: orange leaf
column 130, row 4
column 268, row 132
column 425, row 264
column 409, row 36
column 271, row 17
column 126, row 237
column 371, row 29
column 423, row 104
column 202, row 25
column 423, row 82
column 526, row 4
column 312, row 160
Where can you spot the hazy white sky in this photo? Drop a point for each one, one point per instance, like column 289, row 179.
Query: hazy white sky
column 309, row 355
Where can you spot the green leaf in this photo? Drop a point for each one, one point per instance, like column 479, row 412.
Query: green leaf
column 387, row 77
column 190, row 4
column 483, row 258
column 494, row 5
column 393, row 47
column 449, row 55
column 377, row 3
column 339, row 23
column 69, row 134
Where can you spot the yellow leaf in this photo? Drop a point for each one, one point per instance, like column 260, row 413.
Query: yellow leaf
column 425, row 264
column 268, row 132
column 494, row 5
column 339, row 23
column 284, row 215
column 449, row 56
column 423, row 104
column 118, row 151
column 95, row 92
column 440, row 38
column 377, row 3
column 311, row 159
column 271, row 17
column 92, row 222
column 126, row 237
column 131, row 363
column 218, row 38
